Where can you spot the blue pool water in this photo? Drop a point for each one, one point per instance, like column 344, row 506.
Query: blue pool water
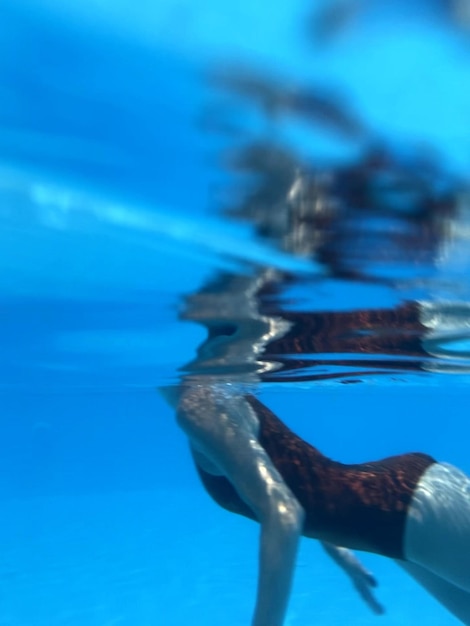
column 130, row 135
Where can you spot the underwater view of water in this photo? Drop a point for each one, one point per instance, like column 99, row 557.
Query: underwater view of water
column 272, row 196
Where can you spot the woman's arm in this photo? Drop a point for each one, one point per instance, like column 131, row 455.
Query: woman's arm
column 363, row 580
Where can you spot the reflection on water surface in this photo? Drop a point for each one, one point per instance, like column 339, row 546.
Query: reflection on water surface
column 385, row 226
column 337, row 242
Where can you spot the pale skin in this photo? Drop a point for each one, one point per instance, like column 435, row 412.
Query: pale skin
column 223, row 434
column 222, row 429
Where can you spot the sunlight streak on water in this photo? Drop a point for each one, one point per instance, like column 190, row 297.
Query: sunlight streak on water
column 47, row 210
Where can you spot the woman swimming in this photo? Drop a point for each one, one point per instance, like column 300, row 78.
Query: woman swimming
column 409, row 507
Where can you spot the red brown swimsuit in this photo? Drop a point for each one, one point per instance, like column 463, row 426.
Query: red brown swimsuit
column 361, row 506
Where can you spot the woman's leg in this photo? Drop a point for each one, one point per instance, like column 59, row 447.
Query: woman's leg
column 222, row 428
column 456, row 600
column 437, row 533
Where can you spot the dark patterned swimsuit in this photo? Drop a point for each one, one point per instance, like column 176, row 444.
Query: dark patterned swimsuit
column 361, row 506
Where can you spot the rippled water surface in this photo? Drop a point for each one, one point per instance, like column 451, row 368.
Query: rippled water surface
column 274, row 197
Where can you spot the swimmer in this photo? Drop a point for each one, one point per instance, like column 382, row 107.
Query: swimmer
column 410, row 507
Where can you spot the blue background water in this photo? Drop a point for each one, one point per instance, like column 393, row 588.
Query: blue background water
column 106, row 221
